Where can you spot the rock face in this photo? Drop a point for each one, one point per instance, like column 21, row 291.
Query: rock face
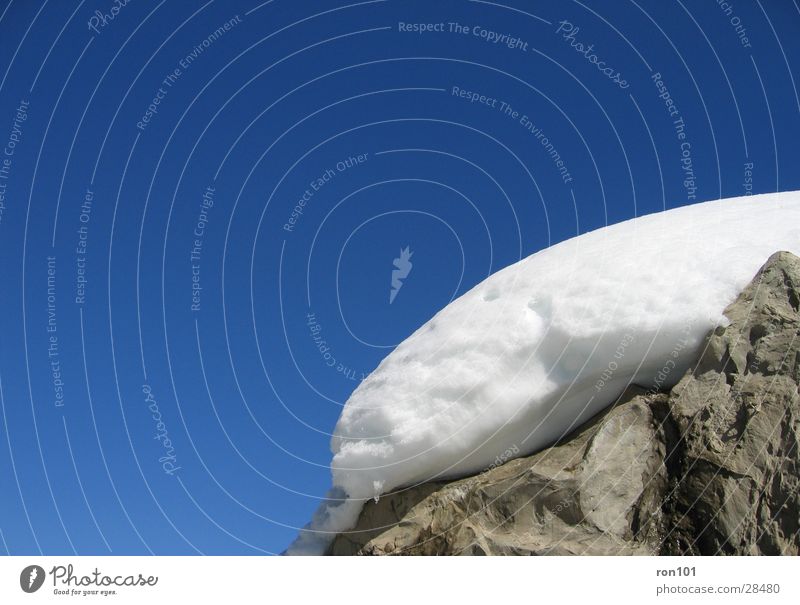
column 737, row 472
column 711, row 467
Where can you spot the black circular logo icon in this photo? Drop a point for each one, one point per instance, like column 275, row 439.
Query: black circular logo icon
column 31, row 578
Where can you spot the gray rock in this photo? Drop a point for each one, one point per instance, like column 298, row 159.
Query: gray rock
column 711, row 467
column 737, row 471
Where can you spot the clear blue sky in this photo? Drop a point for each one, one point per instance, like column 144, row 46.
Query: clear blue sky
column 176, row 344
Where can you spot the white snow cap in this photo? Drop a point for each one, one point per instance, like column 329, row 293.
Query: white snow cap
column 541, row 346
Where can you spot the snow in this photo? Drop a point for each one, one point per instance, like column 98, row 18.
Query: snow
column 541, row 346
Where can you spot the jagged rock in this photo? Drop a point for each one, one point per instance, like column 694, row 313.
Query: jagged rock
column 737, row 488
column 711, row 467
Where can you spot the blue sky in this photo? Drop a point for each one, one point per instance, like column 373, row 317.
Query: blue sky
column 202, row 204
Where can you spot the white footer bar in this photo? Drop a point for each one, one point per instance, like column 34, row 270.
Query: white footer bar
column 389, row 580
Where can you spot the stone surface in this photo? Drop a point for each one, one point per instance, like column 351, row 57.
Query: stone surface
column 737, row 488
column 711, row 467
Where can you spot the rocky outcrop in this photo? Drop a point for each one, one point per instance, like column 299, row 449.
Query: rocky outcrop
column 736, row 487
column 711, row 467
